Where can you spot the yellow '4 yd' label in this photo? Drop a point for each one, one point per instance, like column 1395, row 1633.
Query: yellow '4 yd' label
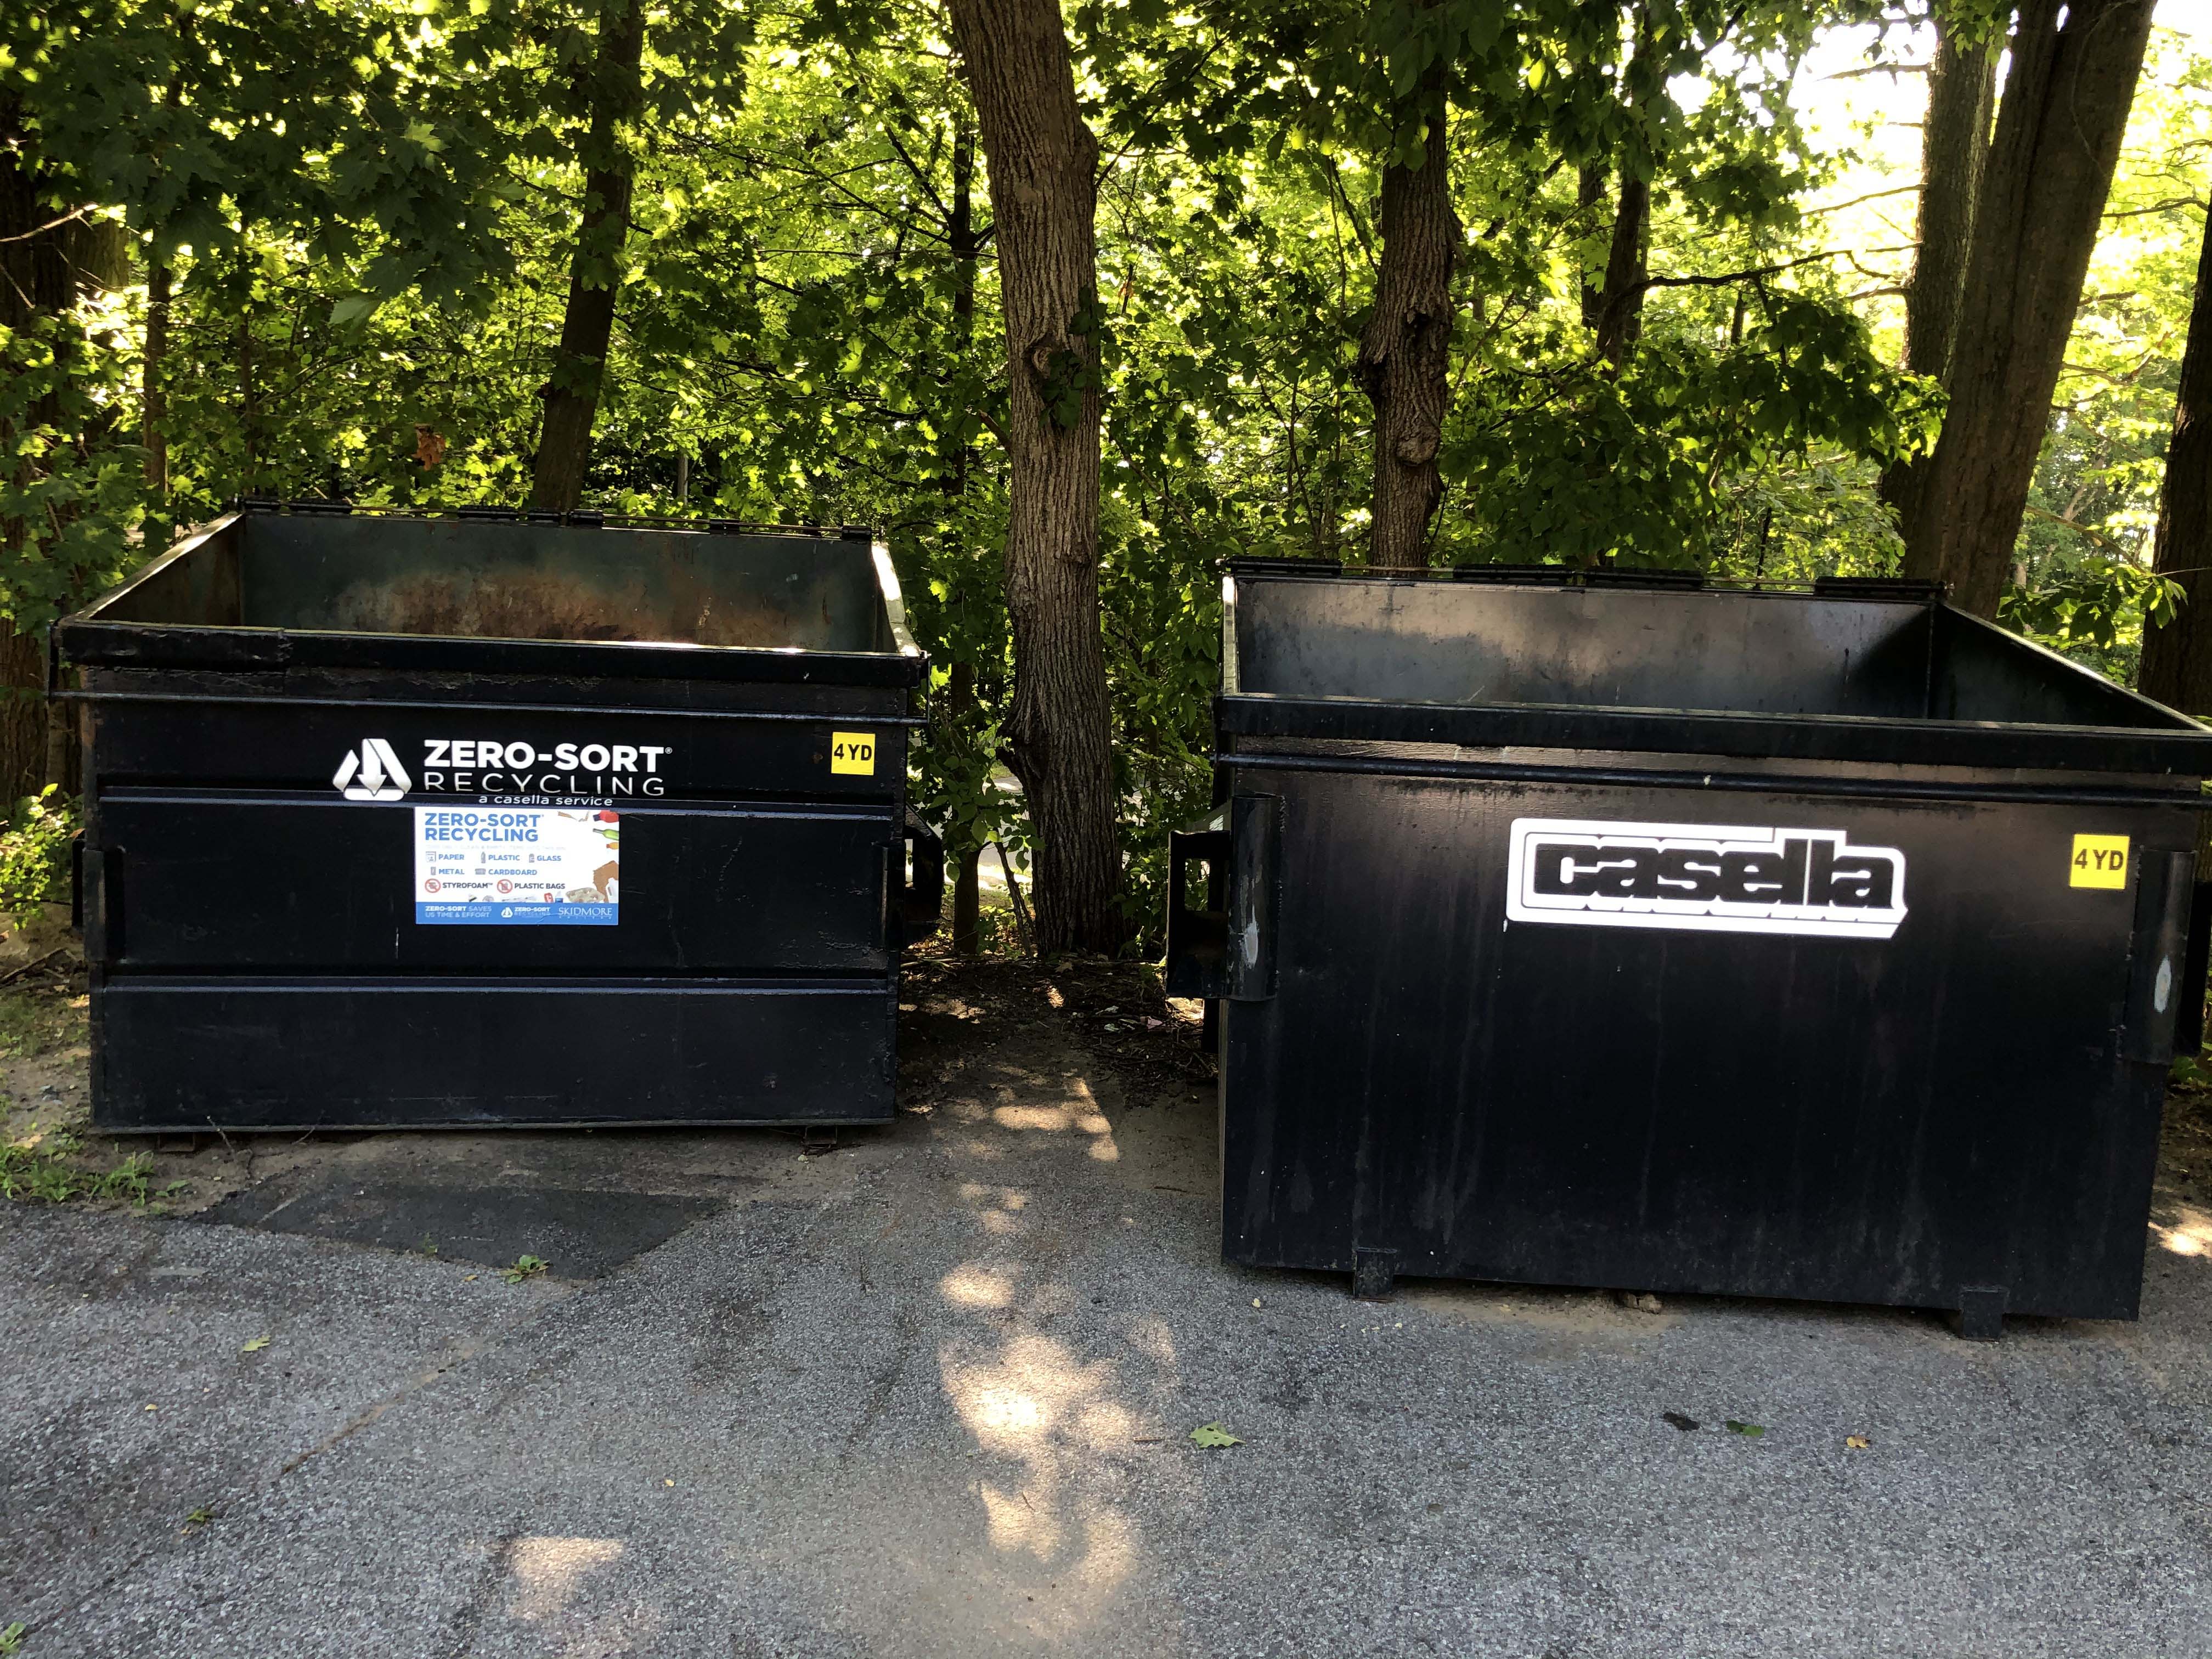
column 855, row 751
column 2099, row 861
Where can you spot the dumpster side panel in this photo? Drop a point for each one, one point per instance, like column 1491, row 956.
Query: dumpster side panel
column 1589, row 1100
column 411, row 1053
column 315, row 883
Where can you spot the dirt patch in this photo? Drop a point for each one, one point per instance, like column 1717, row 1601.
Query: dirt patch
column 1115, row 1011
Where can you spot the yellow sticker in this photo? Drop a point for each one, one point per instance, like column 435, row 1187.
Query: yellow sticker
column 855, row 751
column 2099, row 861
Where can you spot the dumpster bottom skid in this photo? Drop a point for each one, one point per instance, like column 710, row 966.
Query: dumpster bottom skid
column 187, row 1055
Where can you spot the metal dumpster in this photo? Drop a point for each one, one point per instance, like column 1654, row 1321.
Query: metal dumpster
column 1603, row 932
column 479, row 818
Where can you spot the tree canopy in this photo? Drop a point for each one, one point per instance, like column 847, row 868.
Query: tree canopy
column 346, row 236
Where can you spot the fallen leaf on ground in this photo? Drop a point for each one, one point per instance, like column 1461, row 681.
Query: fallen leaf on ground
column 1752, row 1430
column 1210, row 1436
column 1685, row 1423
column 1857, row 1442
column 256, row 1346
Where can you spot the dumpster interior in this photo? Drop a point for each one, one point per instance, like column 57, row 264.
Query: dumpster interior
column 477, row 579
column 1723, row 650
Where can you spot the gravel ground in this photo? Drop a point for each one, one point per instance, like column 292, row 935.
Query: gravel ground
column 933, row 1393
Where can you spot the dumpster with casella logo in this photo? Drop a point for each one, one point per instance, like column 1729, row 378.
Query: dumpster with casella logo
column 404, row 820
column 1623, row 932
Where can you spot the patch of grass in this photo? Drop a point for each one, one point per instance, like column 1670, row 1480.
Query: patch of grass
column 37, row 1020
column 526, row 1266
column 49, row 1169
column 11, row 1638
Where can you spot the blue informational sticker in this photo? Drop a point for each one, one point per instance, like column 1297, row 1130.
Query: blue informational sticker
column 517, row 867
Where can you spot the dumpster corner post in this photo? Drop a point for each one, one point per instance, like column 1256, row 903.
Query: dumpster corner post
column 1982, row 1312
column 1373, row 1273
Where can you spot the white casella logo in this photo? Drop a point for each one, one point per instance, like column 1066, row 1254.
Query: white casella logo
column 1703, row 878
column 372, row 772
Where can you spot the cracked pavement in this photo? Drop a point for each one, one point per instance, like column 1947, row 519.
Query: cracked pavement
column 930, row 1393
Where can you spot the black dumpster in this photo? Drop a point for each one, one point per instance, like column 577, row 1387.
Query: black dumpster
column 1588, row 932
column 482, row 819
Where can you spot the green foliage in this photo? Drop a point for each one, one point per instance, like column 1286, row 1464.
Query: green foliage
column 34, row 852
column 2083, row 583
column 50, row 1169
column 370, row 211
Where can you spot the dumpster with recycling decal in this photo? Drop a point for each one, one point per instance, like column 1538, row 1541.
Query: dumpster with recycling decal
column 488, row 818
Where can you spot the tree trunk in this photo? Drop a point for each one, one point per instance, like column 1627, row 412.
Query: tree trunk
column 967, row 854
column 962, row 242
column 572, row 391
column 154, row 428
column 1954, row 151
column 1405, row 351
column 1620, row 311
column 1589, row 196
column 1043, row 187
column 37, row 288
column 2177, row 658
column 2067, row 95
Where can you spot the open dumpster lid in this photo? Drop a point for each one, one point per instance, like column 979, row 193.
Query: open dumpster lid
column 491, row 591
column 1541, row 660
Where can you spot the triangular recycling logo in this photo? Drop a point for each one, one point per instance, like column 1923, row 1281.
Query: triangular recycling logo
column 372, row 772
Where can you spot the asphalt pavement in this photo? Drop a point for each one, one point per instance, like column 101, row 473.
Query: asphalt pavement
column 933, row 1393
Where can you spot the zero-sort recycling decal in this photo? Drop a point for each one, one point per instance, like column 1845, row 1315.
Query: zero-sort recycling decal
column 501, row 774
column 508, row 866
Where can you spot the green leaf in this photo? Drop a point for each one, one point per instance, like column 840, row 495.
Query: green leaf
column 257, row 1345
column 1749, row 1430
column 1209, row 1436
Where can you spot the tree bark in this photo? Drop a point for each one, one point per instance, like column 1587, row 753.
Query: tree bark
column 1043, row 187
column 37, row 288
column 1405, row 351
column 1589, row 196
column 249, row 399
column 2065, row 110
column 2177, row 658
column 154, row 426
column 572, row 391
column 964, row 244
column 1954, row 150
column 1620, row 311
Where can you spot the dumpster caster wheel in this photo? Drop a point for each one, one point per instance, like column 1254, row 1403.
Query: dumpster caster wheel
column 1373, row 1272
column 812, row 1143
column 1981, row 1312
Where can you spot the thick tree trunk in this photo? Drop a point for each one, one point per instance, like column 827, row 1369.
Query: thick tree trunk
column 1043, row 184
column 1405, row 351
column 2065, row 110
column 1954, row 150
column 1620, row 310
column 572, row 392
column 2177, row 658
